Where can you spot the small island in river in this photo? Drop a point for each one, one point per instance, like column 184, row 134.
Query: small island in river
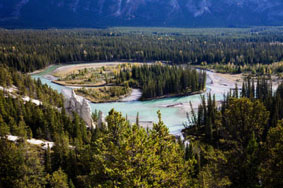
column 114, row 81
column 174, row 108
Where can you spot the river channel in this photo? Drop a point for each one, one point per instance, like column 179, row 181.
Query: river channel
column 174, row 110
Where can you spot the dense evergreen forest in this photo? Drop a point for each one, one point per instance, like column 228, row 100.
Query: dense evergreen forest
column 116, row 155
column 24, row 85
column 29, row 50
column 22, row 118
column 163, row 80
column 238, row 143
column 255, row 69
column 234, row 143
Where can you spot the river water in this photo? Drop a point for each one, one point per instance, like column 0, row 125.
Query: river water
column 173, row 109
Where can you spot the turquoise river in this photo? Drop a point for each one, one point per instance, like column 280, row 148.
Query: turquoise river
column 174, row 110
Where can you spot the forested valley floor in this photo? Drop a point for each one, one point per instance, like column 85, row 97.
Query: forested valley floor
column 29, row 50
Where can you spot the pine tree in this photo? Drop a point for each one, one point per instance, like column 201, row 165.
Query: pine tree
column 48, row 164
column 243, row 117
column 271, row 173
column 132, row 153
column 59, row 179
column 4, row 128
column 137, row 120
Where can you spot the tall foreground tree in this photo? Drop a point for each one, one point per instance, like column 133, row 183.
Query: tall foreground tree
column 20, row 165
column 243, row 118
column 244, row 121
column 272, row 167
column 234, row 157
column 129, row 156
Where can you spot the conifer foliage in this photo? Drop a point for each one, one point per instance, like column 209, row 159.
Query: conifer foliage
column 29, row 50
column 118, row 154
column 239, row 137
column 129, row 156
column 163, row 80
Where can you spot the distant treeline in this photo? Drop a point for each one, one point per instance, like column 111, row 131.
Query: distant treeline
column 160, row 80
column 255, row 69
column 29, row 50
